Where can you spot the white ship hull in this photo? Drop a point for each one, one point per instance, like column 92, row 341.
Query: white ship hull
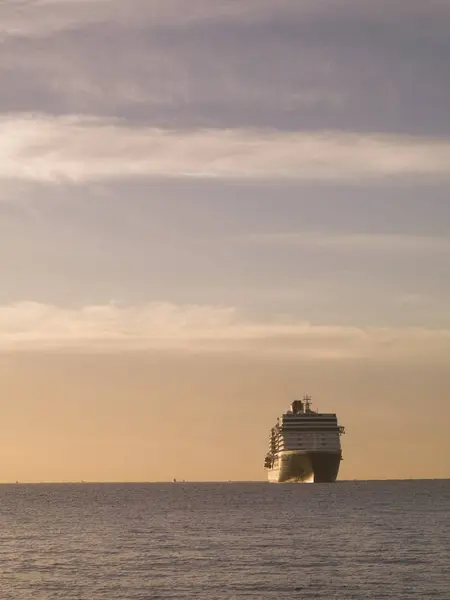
column 305, row 467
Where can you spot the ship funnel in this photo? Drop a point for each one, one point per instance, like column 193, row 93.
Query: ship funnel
column 297, row 407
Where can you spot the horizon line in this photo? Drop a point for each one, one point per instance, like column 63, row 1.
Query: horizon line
column 206, row 481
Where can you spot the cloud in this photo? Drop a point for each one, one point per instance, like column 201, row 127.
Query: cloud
column 45, row 149
column 196, row 328
column 377, row 242
column 47, row 17
column 296, row 64
column 44, row 17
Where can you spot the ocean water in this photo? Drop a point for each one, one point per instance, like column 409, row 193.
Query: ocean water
column 358, row 540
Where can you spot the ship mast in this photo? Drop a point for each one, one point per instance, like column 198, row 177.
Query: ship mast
column 307, row 402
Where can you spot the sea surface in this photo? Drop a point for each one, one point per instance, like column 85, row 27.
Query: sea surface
column 362, row 540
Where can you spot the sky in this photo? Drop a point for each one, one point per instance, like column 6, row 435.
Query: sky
column 207, row 213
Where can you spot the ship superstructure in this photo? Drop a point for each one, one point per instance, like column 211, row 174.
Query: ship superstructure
column 304, row 445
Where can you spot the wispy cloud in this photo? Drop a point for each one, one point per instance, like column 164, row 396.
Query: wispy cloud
column 33, row 326
column 292, row 65
column 38, row 17
column 72, row 148
column 378, row 242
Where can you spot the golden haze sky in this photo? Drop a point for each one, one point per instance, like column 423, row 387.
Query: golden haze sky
column 155, row 416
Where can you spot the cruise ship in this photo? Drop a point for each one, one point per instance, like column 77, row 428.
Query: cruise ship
column 304, row 446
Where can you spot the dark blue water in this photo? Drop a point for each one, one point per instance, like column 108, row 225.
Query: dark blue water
column 225, row 541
